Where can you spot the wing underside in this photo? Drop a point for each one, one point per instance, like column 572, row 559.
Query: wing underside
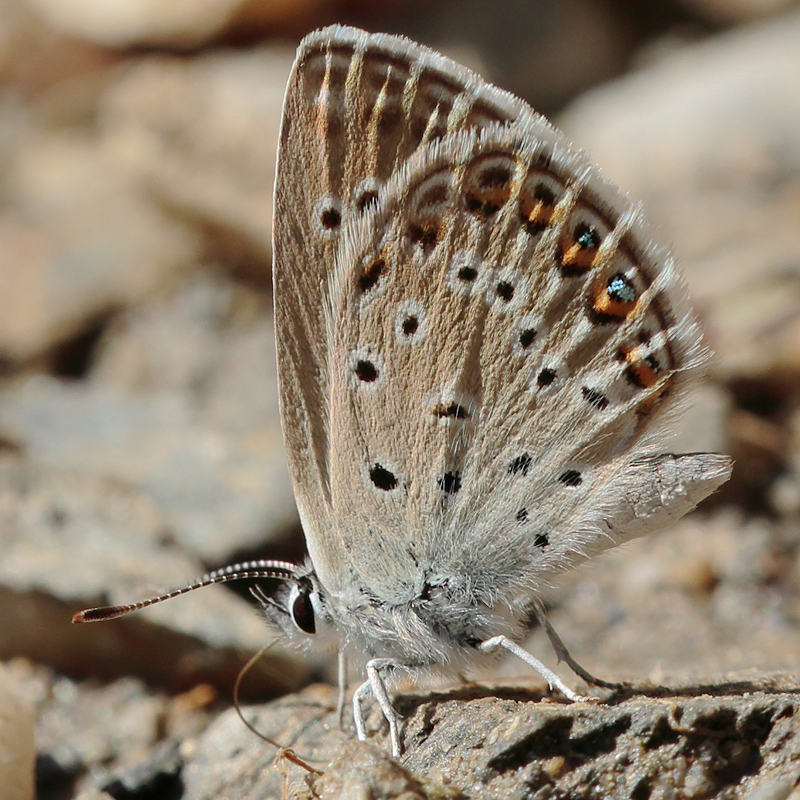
column 479, row 341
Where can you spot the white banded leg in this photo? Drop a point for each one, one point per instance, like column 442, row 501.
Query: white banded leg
column 375, row 686
column 553, row 681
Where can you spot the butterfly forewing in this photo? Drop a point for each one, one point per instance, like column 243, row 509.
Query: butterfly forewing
column 357, row 106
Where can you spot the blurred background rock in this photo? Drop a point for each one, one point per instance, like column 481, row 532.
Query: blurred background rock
column 139, row 436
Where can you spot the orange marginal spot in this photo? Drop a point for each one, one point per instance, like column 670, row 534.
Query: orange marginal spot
column 578, row 249
column 610, row 304
column 369, row 277
column 577, row 260
column 425, row 232
column 643, row 371
column 537, row 212
column 488, row 199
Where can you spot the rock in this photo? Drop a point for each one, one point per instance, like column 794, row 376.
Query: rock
column 17, row 749
column 685, row 603
column 178, row 24
column 55, row 77
column 728, row 12
column 229, row 758
column 215, row 490
column 362, row 768
column 703, row 424
column 529, row 47
column 481, row 742
column 514, row 743
column 81, row 240
column 202, row 135
column 13, row 34
column 88, row 736
column 135, row 231
column 97, row 221
column 166, row 458
column 194, row 424
column 70, row 541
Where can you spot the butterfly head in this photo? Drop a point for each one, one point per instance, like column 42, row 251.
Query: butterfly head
column 298, row 607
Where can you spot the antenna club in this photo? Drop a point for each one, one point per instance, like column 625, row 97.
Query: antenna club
column 98, row 614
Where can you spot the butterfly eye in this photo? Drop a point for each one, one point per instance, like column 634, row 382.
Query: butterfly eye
column 303, row 612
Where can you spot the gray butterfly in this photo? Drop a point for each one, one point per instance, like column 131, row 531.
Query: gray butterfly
column 479, row 347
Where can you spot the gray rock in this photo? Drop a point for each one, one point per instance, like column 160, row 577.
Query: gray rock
column 79, row 240
column 70, row 541
column 728, row 12
column 194, row 424
column 17, row 747
column 714, row 594
column 189, row 129
column 180, row 24
column 715, row 740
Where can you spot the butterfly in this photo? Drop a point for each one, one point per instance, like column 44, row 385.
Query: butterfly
column 480, row 345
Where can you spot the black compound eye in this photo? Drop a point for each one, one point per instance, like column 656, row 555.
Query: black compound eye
column 303, row 613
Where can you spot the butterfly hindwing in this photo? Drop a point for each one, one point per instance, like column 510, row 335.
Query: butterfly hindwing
column 469, row 430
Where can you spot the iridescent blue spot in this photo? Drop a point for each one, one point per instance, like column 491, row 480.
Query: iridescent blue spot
column 621, row 289
column 587, row 236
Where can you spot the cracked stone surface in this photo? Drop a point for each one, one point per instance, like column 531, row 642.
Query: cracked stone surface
column 726, row 739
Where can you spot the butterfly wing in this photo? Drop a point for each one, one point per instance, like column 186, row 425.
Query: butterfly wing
column 500, row 385
column 357, row 106
column 477, row 340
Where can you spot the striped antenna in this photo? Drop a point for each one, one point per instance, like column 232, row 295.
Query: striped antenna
column 282, row 570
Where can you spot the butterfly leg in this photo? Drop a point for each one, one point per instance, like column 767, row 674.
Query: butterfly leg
column 341, row 684
column 375, row 686
column 553, row 681
column 564, row 654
